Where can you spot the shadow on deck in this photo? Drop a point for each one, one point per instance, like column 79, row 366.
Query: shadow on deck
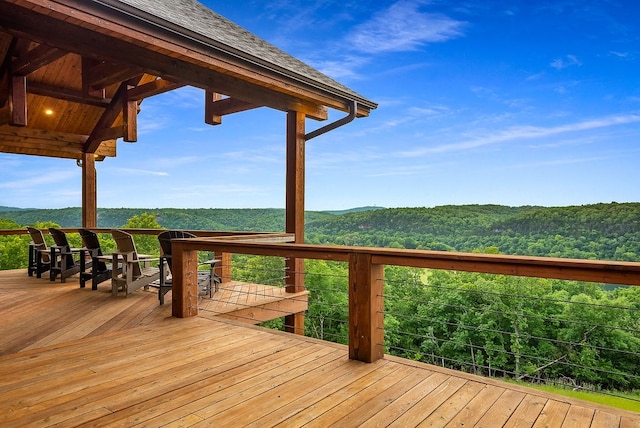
column 74, row 356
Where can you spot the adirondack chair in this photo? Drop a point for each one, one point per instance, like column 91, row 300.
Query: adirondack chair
column 129, row 270
column 208, row 280
column 100, row 270
column 39, row 253
column 65, row 260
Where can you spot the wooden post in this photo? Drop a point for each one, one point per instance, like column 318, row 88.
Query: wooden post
column 223, row 268
column 18, row 100
column 366, row 309
column 184, row 289
column 89, row 191
column 294, row 222
column 130, row 117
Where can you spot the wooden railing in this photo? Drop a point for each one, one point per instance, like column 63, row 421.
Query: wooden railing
column 366, row 306
column 366, row 266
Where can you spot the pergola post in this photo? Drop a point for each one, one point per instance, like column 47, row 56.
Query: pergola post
column 295, row 210
column 89, row 191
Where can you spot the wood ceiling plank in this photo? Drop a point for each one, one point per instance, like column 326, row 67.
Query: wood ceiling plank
column 40, row 142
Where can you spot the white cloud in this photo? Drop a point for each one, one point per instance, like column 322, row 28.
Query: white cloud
column 343, row 68
column 620, row 54
column 135, row 171
column 403, row 27
column 567, row 61
column 41, row 179
column 523, row 132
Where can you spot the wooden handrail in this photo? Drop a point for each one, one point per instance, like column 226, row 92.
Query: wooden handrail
column 200, row 233
column 608, row 271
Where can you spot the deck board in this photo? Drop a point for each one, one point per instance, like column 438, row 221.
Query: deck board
column 73, row 356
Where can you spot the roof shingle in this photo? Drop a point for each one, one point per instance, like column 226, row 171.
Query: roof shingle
column 210, row 28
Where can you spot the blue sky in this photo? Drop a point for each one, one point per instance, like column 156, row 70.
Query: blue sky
column 501, row 102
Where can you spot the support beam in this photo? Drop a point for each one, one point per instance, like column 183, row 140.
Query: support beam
column 150, row 89
column 66, row 94
column 295, row 210
column 130, row 118
column 5, row 84
column 89, row 191
column 18, row 100
column 109, row 116
column 366, row 308
column 227, row 106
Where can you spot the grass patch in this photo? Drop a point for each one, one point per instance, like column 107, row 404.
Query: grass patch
column 632, row 403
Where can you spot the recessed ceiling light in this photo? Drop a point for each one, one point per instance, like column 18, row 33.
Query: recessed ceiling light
column 48, row 112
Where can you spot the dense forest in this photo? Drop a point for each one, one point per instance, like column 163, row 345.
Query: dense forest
column 579, row 334
column 601, row 231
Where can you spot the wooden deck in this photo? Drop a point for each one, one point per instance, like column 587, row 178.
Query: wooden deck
column 74, row 357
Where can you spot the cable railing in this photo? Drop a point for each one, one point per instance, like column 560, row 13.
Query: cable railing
column 584, row 335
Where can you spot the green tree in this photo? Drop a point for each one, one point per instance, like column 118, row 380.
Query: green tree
column 145, row 244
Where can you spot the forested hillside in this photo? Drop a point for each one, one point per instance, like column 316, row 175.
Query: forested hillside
column 259, row 220
column 602, row 231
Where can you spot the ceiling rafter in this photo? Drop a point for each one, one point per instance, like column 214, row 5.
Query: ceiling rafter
column 35, row 58
column 65, row 94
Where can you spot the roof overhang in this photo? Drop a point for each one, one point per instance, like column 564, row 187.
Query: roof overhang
column 96, row 60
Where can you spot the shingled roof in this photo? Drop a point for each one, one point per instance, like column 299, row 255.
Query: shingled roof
column 194, row 20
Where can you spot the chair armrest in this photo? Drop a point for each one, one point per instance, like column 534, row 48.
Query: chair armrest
column 59, row 249
column 141, row 257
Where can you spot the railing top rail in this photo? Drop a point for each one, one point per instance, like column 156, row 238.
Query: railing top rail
column 608, row 271
column 200, row 233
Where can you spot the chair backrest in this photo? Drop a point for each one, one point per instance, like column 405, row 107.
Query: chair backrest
column 61, row 240
column 126, row 244
column 165, row 241
column 59, row 237
column 39, row 243
column 92, row 243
